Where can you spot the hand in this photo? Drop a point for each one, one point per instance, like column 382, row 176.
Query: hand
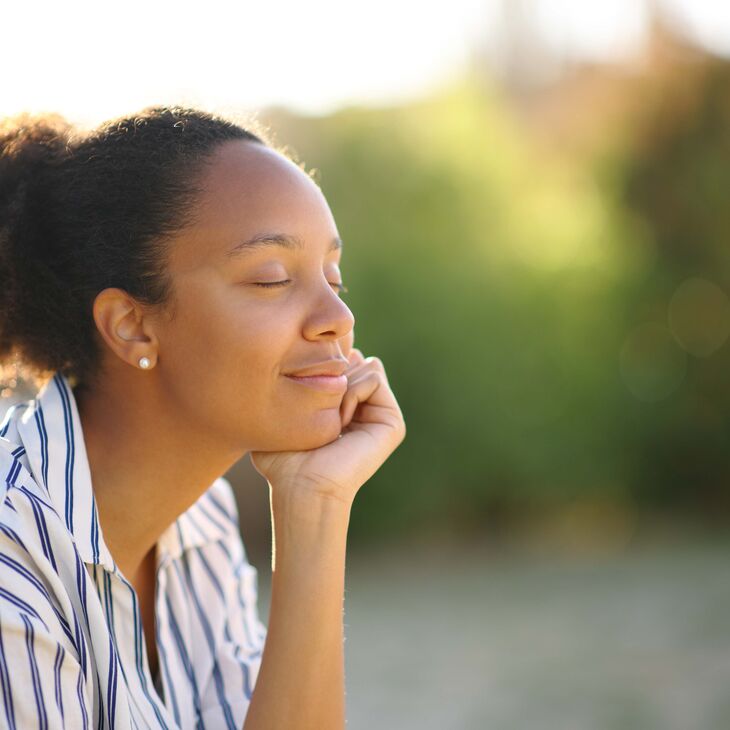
column 372, row 428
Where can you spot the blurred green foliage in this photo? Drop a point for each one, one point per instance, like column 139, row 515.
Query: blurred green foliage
column 676, row 183
column 529, row 307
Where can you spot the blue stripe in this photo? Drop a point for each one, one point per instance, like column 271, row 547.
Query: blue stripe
column 138, row 641
column 237, row 568
column 214, row 520
column 109, row 601
column 81, row 576
column 5, row 681
column 70, row 449
column 206, row 537
column 111, row 691
column 248, row 690
column 37, row 689
column 41, row 526
column 40, row 521
column 216, row 502
column 100, row 721
column 13, row 412
column 111, row 686
column 20, row 603
column 80, row 695
column 57, row 664
column 217, row 678
column 38, row 500
column 13, row 473
column 109, row 610
column 25, row 573
column 7, row 418
column 43, row 436
column 225, row 550
column 81, row 643
column 12, row 535
column 165, row 669
column 187, row 664
column 94, row 531
column 214, row 579
column 219, row 590
column 243, row 663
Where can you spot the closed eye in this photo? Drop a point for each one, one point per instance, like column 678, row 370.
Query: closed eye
column 272, row 283
column 341, row 288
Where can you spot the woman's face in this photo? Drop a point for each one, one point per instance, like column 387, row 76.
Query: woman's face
column 224, row 355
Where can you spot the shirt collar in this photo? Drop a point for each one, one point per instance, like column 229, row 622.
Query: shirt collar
column 51, row 432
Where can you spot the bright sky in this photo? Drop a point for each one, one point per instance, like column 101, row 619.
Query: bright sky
column 94, row 60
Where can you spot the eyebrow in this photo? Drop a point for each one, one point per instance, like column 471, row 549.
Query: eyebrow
column 262, row 240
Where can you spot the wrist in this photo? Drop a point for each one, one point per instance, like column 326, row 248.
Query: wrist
column 302, row 513
column 309, row 498
column 307, row 532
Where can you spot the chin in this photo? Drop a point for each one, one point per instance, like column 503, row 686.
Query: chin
column 307, row 433
column 311, row 441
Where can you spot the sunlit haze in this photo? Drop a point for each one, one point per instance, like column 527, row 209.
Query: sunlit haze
column 91, row 61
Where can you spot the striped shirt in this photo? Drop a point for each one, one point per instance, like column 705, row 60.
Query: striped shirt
column 72, row 649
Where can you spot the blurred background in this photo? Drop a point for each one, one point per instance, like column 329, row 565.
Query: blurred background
column 534, row 197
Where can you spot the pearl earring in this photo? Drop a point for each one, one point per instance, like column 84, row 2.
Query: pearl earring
column 144, row 362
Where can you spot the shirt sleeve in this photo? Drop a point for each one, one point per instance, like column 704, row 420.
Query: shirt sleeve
column 42, row 684
column 242, row 634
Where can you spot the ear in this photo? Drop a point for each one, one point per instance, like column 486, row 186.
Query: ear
column 125, row 326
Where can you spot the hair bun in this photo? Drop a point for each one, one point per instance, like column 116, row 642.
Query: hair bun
column 27, row 142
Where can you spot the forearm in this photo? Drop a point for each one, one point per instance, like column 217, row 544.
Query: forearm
column 301, row 683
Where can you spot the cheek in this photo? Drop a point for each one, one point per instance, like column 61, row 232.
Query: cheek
column 226, row 324
column 226, row 346
column 251, row 350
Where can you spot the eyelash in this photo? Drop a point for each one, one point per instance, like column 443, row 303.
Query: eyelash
column 341, row 288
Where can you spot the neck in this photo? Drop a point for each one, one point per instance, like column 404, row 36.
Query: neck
column 148, row 465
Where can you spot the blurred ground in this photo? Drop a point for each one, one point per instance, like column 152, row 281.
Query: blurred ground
column 447, row 638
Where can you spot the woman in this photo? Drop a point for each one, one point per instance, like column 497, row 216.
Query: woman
column 173, row 282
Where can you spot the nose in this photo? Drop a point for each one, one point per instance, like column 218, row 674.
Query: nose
column 330, row 319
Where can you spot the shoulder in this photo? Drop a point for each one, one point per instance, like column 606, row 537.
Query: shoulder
column 220, row 494
column 217, row 509
column 212, row 519
column 34, row 553
column 35, row 544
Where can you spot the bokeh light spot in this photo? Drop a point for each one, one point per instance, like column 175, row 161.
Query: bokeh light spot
column 699, row 316
column 652, row 365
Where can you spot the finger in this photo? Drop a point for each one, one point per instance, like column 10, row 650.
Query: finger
column 367, row 364
column 355, row 358
column 371, row 387
column 357, row 392
column 354, row 371
column 367, row 413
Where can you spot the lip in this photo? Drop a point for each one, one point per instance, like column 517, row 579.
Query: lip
column 336, row 384
column 328, row 367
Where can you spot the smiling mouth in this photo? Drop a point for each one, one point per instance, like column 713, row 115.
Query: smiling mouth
column 336, row 384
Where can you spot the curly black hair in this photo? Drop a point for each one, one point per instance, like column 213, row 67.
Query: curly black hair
column 80, row 212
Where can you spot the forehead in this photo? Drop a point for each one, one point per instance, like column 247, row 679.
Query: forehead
column 247, row 167
column 247, row 189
